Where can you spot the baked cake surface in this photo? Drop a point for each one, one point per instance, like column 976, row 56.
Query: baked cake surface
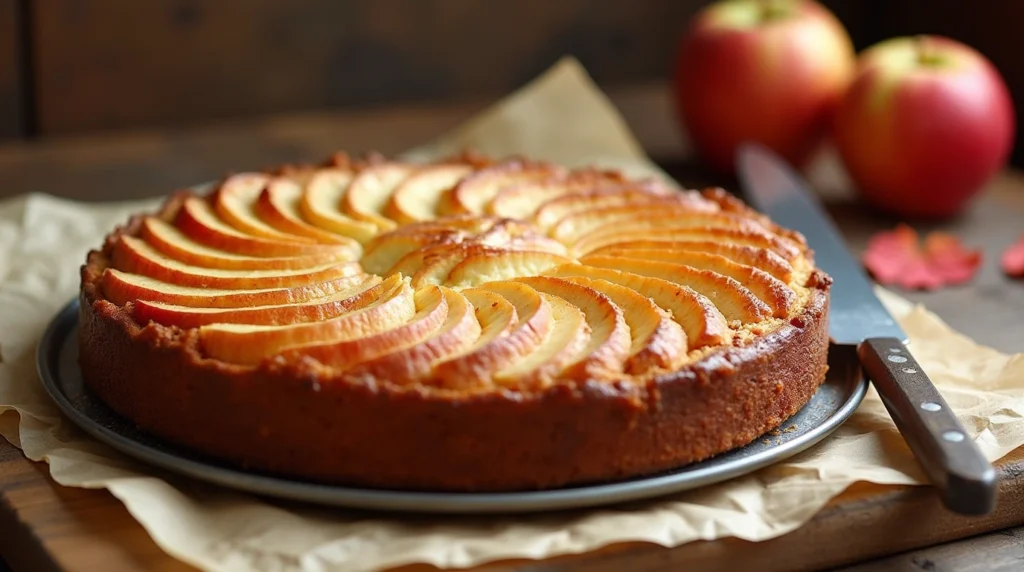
column 473, row 324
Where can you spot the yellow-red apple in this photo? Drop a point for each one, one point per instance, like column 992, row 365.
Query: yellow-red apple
column 769, row 71
column 925, row 124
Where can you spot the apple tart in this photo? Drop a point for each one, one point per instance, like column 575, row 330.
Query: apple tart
column 474, row 324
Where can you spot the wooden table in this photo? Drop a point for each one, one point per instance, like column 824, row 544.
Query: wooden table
column 45, row 526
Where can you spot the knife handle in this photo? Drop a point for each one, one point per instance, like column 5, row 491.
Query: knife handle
column 952, row 461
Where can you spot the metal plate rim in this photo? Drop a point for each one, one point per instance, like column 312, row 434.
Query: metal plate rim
column 601, row 494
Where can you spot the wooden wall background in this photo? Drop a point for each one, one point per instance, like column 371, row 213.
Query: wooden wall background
column 78, row 66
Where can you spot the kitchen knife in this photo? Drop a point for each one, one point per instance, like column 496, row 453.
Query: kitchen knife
column 952, row 461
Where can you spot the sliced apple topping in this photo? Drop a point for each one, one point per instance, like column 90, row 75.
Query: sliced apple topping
column 278, row 205
column 314, row 310
column 431, row 313
column 235, row 203
column 385, row 251
column 321, row 204
column 611, row 220
column 553, row 211
column 703, row 323
column 610, row 341
column 522, row 201
column 249, row 345
column 197, row 220
column 564, row 345
column 483, row 267
column 460, row 331
column 123, row 287
column 475, row 191
column 664, row 229
column 657, row 342
column 734, row 300
column 418, row 198
column 439, row 265
column 766, row 287
column 370, row 191
column 761, row 258
column 173, row 243
column 134, row 255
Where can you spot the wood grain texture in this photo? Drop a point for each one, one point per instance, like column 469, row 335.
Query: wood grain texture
column 11, row 109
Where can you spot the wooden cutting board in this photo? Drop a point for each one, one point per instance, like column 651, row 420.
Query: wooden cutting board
column 44, row 526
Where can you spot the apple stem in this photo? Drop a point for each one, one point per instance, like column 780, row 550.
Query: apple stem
column 772, row 10
column 926, row 55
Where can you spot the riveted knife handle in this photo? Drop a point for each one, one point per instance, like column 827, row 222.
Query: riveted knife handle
column 952, row 461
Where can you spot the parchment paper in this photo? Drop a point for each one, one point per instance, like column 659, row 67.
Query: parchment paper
column 560, row 116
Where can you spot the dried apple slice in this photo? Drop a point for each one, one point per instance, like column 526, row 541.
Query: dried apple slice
column 417, row 198
column 483, row 267
column 370, row 191
column 657, row 341
column 249, row 345
column 273, row 315
column 610, row 342
column 170, row 241
column 757, row 257
column 733, row 299
column 278, row 205
column 134, row 255
column 122, row 287
column 321, row 202
column 235, row 203
column 431, row 314
column 703, row 323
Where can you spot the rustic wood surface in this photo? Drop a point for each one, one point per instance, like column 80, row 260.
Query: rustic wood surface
column 45, row 526
column 11, row 110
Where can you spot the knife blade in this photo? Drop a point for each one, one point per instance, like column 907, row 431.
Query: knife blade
column 951, row 460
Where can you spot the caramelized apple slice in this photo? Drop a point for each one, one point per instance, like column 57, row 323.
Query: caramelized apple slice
column 460, row 331
column 484, row 267
column 612, row 220
column 278, row 205
column 514, row 319
column 250, row 345
column 309, row 311
column 703, row 323
column 321, row 202
column 121, row 287
column 475, row 191
column 134, row 255
column 197, row 220
column 431, row 314
column 386, row 250
column 610, row 341
column 553, row 211
column 173, row 243
column 371, row 190
column 667, row 229
column 564, row 345
column 757, row 257
column 657, row 342
column 235, row 203
column 734, row 300
column 418, row 197
column 766, row 287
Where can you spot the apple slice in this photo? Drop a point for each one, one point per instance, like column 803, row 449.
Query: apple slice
column 384, row 252
column 460, row 331
column 611, row 220
column 431, row 314
column 235, row 203
column 136, row 256
column 278, row 205
column 249, row 345
column 444, row 258
column 170, row 241
column 315, row 310
column 755, row 238
column 563, row 346
column 121, row 287
column 417, row 198
column 475, row 191
column 514, row 318
column 522, row 201
column 766, row 287
column 370, row 191
column 657, row 342
column 610, row 341
column 483, row 267
column 761, row 258
column 321, row 201
column 551, row 212
column 734, row 300
column 197, row 220
column 703, row 323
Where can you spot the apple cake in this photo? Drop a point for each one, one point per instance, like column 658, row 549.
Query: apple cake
column 473, row 324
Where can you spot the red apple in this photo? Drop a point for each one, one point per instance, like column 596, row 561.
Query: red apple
column 769, row 71
column 925, row 124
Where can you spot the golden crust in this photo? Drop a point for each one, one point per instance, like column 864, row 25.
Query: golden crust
column 387, row 415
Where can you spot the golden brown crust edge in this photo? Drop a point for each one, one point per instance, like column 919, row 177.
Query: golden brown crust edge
column 284, row 422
